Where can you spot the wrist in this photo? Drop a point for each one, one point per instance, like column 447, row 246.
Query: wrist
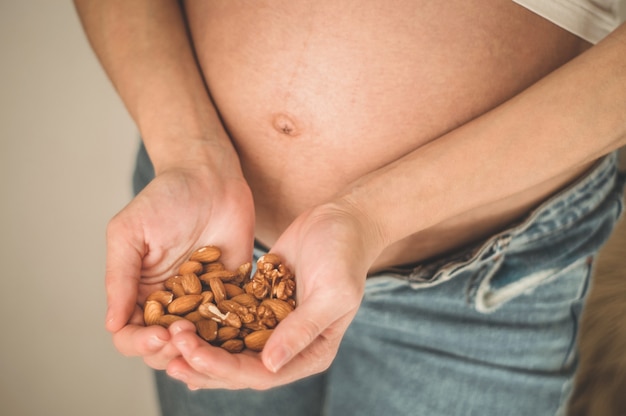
column 182, row 152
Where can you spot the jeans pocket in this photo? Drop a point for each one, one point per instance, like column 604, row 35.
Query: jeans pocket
column 559, row 286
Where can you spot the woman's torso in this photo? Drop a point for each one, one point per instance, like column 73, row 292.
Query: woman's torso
column 317, row 94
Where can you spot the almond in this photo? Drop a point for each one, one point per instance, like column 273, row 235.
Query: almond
column 206, row 254
column 152, row 311
column 233, row 320
column 167, row 320
column 178, row 290
column 256, row 340
column 190, row 267
column 223, row 275
column 232, row 290
column 169, row 283
column 217, row 287
column 207, row 329
column 184, row 304
column 162, row 296
column 174, row 285
column 280, row 308
column 233, row 345
column 211, row 267
column 194, row 316
column 191, row 284
column 226, row 333
column 207, row 296
column 211, row 311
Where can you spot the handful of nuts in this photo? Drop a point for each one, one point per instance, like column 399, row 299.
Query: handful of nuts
column 228, row 308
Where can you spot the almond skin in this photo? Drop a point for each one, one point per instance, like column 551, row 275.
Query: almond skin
column 211, row 311
column 233, row 320
column 190, row 267
column 207, row 329
column 169, row 282
column 280, row 308
column 167, row 320
column 206, row 254
column 217, row 287
column 162, row 296
column 223, row 275
column 207, row 296
column 191, row 284
column 232, row 290
column 152, row 311
column 211, row 267
column 256, row 340
column 227, row 332
column 194, row 316
column 184, row 304
column 233, row 345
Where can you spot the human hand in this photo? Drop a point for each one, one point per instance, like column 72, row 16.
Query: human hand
column 330, row 251
column 179, row 211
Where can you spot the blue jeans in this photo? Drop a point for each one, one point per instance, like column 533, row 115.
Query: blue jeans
column 489, row 330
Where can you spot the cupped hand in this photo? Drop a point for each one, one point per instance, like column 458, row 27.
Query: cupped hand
column 179, row 211
column 330, row 249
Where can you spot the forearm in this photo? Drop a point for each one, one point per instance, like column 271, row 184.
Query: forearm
column 567, row 120
column 144, row 48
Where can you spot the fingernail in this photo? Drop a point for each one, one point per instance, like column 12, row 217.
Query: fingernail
column 175, row 329
column 180, row 326
column 278, row 357
column 156, row 342
column 108, row 317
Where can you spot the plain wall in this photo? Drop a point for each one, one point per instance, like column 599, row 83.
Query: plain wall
column 66, row 153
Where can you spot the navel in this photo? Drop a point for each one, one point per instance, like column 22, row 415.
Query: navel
column 284, row 124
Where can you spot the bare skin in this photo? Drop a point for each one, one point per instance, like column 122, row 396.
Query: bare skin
column 348, row 138
column 314, row 99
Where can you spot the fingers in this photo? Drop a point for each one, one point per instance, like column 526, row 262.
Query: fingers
column 123, row 268
column 204, row 366
column 152, row 343
column 201, row 364
column 315, row 323
column 304, row 343
column 136, row 340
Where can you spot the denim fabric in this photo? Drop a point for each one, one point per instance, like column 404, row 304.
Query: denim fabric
column 490, row 330
column 144, row 171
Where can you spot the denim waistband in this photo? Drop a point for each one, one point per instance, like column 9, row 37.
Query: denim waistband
column 566, row 208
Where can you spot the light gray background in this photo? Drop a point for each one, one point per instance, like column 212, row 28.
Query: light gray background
column 66, row 150
column 66, row 153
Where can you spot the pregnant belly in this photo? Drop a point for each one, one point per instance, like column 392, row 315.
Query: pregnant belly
column 317, row 94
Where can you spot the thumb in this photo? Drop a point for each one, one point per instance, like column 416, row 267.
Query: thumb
column 315, row 323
